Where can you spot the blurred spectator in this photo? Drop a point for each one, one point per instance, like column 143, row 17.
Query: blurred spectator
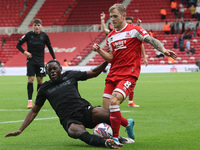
column 188, row 45
column 0, row 63
column 192, row 11
column 183, row 26
column 197, row 11
column 192, row 50
column 182, row 10
column 188, row 34
column 163, row 13
column 176, row 12
column 181, row 43
column 198, row 31
column 193, row 32
column 151, row 33
column 166, row 28
column 191, row 2
column 65, row 63
column 175, row 40
column 173, row 5
column 172, row 28
column 170, row 61
column 197, row 25
column 110, row 27
column 177, row 27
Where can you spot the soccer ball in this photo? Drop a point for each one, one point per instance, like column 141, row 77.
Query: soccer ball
column 103, row 130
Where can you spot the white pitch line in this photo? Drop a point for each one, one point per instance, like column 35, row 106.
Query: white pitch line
column 40, row 110
column 125, row 111
column 34, row 119
column 23, row 120
column 19, row 110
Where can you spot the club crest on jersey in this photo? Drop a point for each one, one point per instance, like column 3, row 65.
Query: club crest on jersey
column 128, row 35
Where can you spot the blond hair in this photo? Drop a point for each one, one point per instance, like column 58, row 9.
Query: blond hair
column 119, row 7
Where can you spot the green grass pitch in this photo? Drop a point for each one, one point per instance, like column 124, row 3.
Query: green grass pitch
column 168, row 117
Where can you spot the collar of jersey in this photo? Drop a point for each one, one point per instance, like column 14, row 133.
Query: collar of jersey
column 122, row 28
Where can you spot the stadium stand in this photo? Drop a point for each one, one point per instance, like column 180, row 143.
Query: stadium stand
column 138, row 9
column 87, row 11
column 55, row 12
column 8, row 46
column 84, row 12
column 12, row 12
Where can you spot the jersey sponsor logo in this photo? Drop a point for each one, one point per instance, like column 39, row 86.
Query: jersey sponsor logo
column 60, row 50
column 123, row 35
column 59, row 86
column 119, row 45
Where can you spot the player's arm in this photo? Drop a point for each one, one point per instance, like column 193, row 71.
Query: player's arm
column 159, row 46
column 103, row 25
column 29, row 118
column 19, row 46
column 97, row 70
column 48, row 44
column 144, row 55
column 107, row 56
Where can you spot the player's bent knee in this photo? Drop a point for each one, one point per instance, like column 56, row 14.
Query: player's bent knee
column 75, row 130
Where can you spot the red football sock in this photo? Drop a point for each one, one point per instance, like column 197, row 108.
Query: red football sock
column 130, row 97
column 115, row 119
column 124, row 121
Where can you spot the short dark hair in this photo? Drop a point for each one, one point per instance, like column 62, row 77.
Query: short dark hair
column 129, row 18
column 51, row 61
column 36, row 21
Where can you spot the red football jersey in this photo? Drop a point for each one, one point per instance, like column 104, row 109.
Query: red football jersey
column 126, row 47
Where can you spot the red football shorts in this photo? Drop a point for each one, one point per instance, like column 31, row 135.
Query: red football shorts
column 122, row 85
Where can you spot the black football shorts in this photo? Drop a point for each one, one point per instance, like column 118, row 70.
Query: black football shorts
column 82, row 116
column 36, row 69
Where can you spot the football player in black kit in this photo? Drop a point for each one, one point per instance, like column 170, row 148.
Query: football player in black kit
column 36, row 41
column 74, row 112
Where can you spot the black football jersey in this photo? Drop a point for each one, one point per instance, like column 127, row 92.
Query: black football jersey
column 36, row 45
column 63, row 95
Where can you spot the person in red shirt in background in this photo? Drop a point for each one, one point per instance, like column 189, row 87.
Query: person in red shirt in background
column 124, row 54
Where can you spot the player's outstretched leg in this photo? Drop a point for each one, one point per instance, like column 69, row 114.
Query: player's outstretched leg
column 110, row 143
column 126, row 140
column 129, row 129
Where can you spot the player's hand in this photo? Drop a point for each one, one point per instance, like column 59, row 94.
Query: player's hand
column 96, row 47
column 102, row 16
column 139, row 22
column 13, row 133
column 169, row 53
column 145, row 62
column 27, row 54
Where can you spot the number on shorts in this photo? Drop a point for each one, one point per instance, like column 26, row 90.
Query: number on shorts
column 42, row 70
column 127, row 84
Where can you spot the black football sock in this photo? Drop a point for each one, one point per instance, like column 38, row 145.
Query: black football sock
column 93, row 140
column 30, row 90
column 38, row 86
